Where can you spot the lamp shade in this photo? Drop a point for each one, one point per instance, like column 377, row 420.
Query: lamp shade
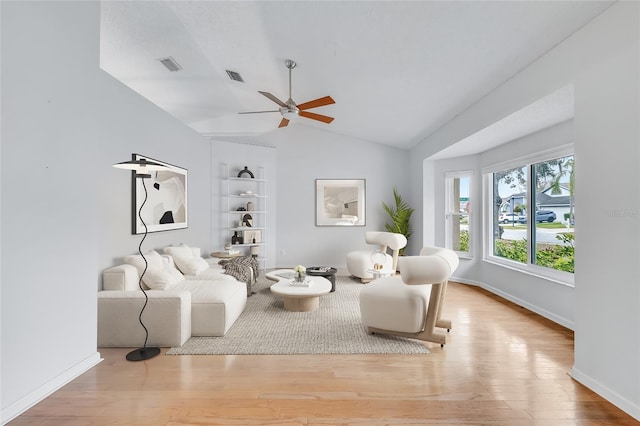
column 140, row 165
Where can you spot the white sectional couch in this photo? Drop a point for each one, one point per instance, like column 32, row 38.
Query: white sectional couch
column 194, row 299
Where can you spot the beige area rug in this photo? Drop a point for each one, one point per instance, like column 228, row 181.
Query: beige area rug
column 334, row 328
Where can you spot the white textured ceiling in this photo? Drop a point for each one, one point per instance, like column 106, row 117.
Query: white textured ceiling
column 397, row 70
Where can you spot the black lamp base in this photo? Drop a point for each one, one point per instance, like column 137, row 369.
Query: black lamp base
column 142, row 353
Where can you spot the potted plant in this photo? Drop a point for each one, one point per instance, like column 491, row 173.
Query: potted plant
column 400, row 215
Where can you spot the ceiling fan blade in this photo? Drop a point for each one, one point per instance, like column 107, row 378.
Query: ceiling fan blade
column 319, row 117
column 273, row 98
column 258, row 112
column 283, row 123
column 327, row 100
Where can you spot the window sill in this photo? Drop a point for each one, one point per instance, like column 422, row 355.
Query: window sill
column 464, row 255
column 558, row 277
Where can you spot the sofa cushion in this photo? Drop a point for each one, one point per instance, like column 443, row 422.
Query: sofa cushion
column 122, row 277
column 167, row 316
column 212, row 274
column 154, row 260
column 215, row 305
column 186, row 260
column 162, row 278
column 159, row 275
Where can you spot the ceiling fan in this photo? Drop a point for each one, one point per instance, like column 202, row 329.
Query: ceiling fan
column 290, row 109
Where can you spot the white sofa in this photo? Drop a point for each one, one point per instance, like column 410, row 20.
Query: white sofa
column 204, row 301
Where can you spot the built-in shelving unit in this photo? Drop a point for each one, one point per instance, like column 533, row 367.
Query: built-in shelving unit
column 245, row 202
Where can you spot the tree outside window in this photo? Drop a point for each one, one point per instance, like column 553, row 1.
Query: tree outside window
column 534, row 214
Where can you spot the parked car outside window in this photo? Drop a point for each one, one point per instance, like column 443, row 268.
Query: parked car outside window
column 545, row 216
column 512, row 218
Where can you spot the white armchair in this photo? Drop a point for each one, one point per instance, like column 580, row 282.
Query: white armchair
column 409, row 305
column 359, row 263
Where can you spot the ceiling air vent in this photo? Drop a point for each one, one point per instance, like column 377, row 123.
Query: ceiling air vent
column 235, row 76
column 170, row 63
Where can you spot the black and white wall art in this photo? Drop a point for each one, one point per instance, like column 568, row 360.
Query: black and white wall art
column 166, row 205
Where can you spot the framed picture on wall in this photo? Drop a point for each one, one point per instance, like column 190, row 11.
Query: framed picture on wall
column 166, row 205
column 340, row 202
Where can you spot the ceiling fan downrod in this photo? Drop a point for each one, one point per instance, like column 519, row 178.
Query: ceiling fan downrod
column 291, row 65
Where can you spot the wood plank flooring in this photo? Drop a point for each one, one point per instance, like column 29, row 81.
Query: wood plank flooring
column 502, row 365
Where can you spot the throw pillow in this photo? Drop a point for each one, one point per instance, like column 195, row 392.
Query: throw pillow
column 194, row 266
column 154, row 260
column 185, row 260
column 161, row 279
column 194, row 250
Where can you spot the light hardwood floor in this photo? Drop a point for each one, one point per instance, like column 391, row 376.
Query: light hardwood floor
column 502, row 365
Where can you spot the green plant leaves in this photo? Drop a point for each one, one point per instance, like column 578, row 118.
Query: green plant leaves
column 400, row 215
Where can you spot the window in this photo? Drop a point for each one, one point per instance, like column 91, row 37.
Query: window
column 510, row 214
column 532, row 215
column 458, row 212
column 552, row 229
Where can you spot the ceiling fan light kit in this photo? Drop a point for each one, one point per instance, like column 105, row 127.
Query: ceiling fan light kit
column 290, row 110
column 290, row 114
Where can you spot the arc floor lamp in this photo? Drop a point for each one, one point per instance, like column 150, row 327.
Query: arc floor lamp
column 142, row 169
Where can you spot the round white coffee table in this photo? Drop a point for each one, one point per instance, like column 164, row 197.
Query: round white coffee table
column 298, row 299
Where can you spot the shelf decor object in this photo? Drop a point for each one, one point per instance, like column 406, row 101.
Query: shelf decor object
column 246, row 171
column 141, row 169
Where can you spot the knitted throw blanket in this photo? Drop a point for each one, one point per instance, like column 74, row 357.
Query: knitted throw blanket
column 241, row 269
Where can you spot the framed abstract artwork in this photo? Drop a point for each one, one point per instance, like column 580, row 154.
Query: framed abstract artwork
column 340, row 202
column 166, row 205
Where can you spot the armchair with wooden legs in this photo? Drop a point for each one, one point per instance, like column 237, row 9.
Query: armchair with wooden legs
column 410, row 305
column 359, row 263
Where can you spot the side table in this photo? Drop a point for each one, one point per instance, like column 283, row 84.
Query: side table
column 326, row 272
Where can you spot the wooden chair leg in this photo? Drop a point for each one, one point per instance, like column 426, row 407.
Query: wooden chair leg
column 442, row 323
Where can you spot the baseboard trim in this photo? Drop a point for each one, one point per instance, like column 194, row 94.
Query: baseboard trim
column 633, row 409
column 23, row 404
column 622, row 403
column 533, row 308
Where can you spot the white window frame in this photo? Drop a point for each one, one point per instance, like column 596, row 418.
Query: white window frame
column 560, row 277
column 455, row 215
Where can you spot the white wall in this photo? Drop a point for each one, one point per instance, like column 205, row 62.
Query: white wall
column 65, row 211
column 127, row 123
column 49, row 204
column 602, row 63
column 305, row 154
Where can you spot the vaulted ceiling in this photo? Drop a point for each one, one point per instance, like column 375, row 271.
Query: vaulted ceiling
column 397, row 70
